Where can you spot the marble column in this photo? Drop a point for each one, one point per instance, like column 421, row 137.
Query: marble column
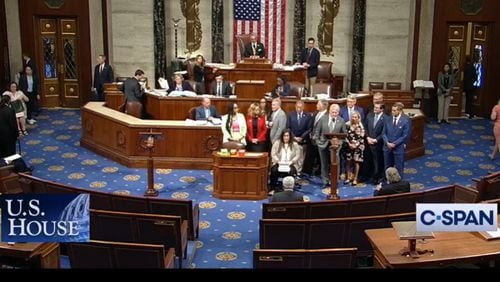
column 217, row 31
column 160, row 44
column 358, row 45
column 299, row 29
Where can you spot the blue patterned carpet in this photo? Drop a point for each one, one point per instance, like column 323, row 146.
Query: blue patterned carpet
column 455, row 153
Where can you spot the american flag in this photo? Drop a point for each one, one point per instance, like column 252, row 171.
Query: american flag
column 265, row 19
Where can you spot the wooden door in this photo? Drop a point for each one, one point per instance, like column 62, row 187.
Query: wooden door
column 466, row 39
column 58, row 64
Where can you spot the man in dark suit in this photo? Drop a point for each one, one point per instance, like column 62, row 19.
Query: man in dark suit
column 299, row 123
column 470, row 77
column 8, row 128
column 103, row 73
column 345, row 112
column 331, row 123
column 221, row 88
column 29, row 62
column 134, row 92
column 396, row 135
column 310, row 60
column 288, row 195
column 28, row 83
column 374, row 128
column 394, row 184
column 206, row 111
column 254, row 49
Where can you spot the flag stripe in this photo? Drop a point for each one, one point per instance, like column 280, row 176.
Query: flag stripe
column 268, row 24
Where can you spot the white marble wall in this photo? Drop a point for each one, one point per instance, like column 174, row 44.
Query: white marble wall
column 96, row 34
column 14, row 37
column 425, row 40
column 132, row 36
column 388, row 41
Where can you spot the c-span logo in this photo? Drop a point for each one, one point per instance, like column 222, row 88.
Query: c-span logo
column 456, row 217
column 45, row 218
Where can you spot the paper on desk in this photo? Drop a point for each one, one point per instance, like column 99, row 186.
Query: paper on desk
column 163, row 83
column 9, row 159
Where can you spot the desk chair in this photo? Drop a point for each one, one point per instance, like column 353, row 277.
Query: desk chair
column 134, row 108
column 375, row 85
column 393, row 85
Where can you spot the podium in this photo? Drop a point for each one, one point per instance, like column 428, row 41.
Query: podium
column 240, row 177
column 422, row 96
column 255, row 63
column 336, row 140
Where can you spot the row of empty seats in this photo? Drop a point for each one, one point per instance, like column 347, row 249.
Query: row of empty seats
column 380, row 85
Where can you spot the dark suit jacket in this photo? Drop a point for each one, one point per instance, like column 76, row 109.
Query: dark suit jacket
column 344, row 113
column 399, row 134
column 186, row 86
column 287, row 196
column 200, row 113
column 393, row 188
column 32, row 65
column 470, row 76
column 312, row 60
column 303, row 129
column 23, row 84
column 8, row 131
column 260, row 51
column 106, row 76
column 226, row 89
column 286, row 91
column 132, row 90
column 377, row 131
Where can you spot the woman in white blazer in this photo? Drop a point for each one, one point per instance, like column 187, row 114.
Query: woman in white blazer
column 286, row 153
column 234, row 125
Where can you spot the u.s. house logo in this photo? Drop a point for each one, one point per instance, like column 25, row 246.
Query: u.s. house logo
column 45, row 218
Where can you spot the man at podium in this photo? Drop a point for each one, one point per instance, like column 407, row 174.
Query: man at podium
column 254, row 49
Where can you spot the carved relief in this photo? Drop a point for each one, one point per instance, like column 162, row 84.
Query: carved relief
column 54, row 4
column 471, row 7
column 211, row 143
column 329, row 10
column 190, row 10
column 121, row 140
column 89, row 126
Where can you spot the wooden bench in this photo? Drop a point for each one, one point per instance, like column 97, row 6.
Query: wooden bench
column 389, row 204
column 102, row 254
column 9, row 180
column 347, row 232
column 126, row 203
column 170, row 231
column 300, row 258
column 488, row 187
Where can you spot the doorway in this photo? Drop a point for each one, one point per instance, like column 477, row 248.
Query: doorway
column 56, row 45
column 467, row 39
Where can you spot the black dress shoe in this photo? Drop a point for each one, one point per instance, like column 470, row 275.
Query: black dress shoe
column 447, row 122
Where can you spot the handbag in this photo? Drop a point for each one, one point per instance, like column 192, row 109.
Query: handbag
column 17, row 106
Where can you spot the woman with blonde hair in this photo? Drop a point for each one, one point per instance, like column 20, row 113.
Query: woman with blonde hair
column 256, row 129
column 355, row 147
column 495, row 116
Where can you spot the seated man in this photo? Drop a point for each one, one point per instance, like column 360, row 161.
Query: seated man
column 394, row 184
column 288, row 195
column 221, row 88
column 254, row 49
column 206, row 111
column 179, row 84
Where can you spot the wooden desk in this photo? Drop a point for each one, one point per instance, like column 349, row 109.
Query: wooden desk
column 177, row 108
column 241, row 178
column 115, row 135
column 35, row 255
column 449, row 248
column 268, row 75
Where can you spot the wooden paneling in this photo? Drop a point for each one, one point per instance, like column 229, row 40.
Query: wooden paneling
column 31, row 10
column 449, row 11
column 116, row 136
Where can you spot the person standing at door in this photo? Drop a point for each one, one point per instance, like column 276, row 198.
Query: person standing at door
column 310, row 60
column 28, row 83
column 29, row 62
column 446, row 81
column 470, row 77
column 103, row 73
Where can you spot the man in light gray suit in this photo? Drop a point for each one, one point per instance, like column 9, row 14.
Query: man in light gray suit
column 331, row 123
column 277, row 120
